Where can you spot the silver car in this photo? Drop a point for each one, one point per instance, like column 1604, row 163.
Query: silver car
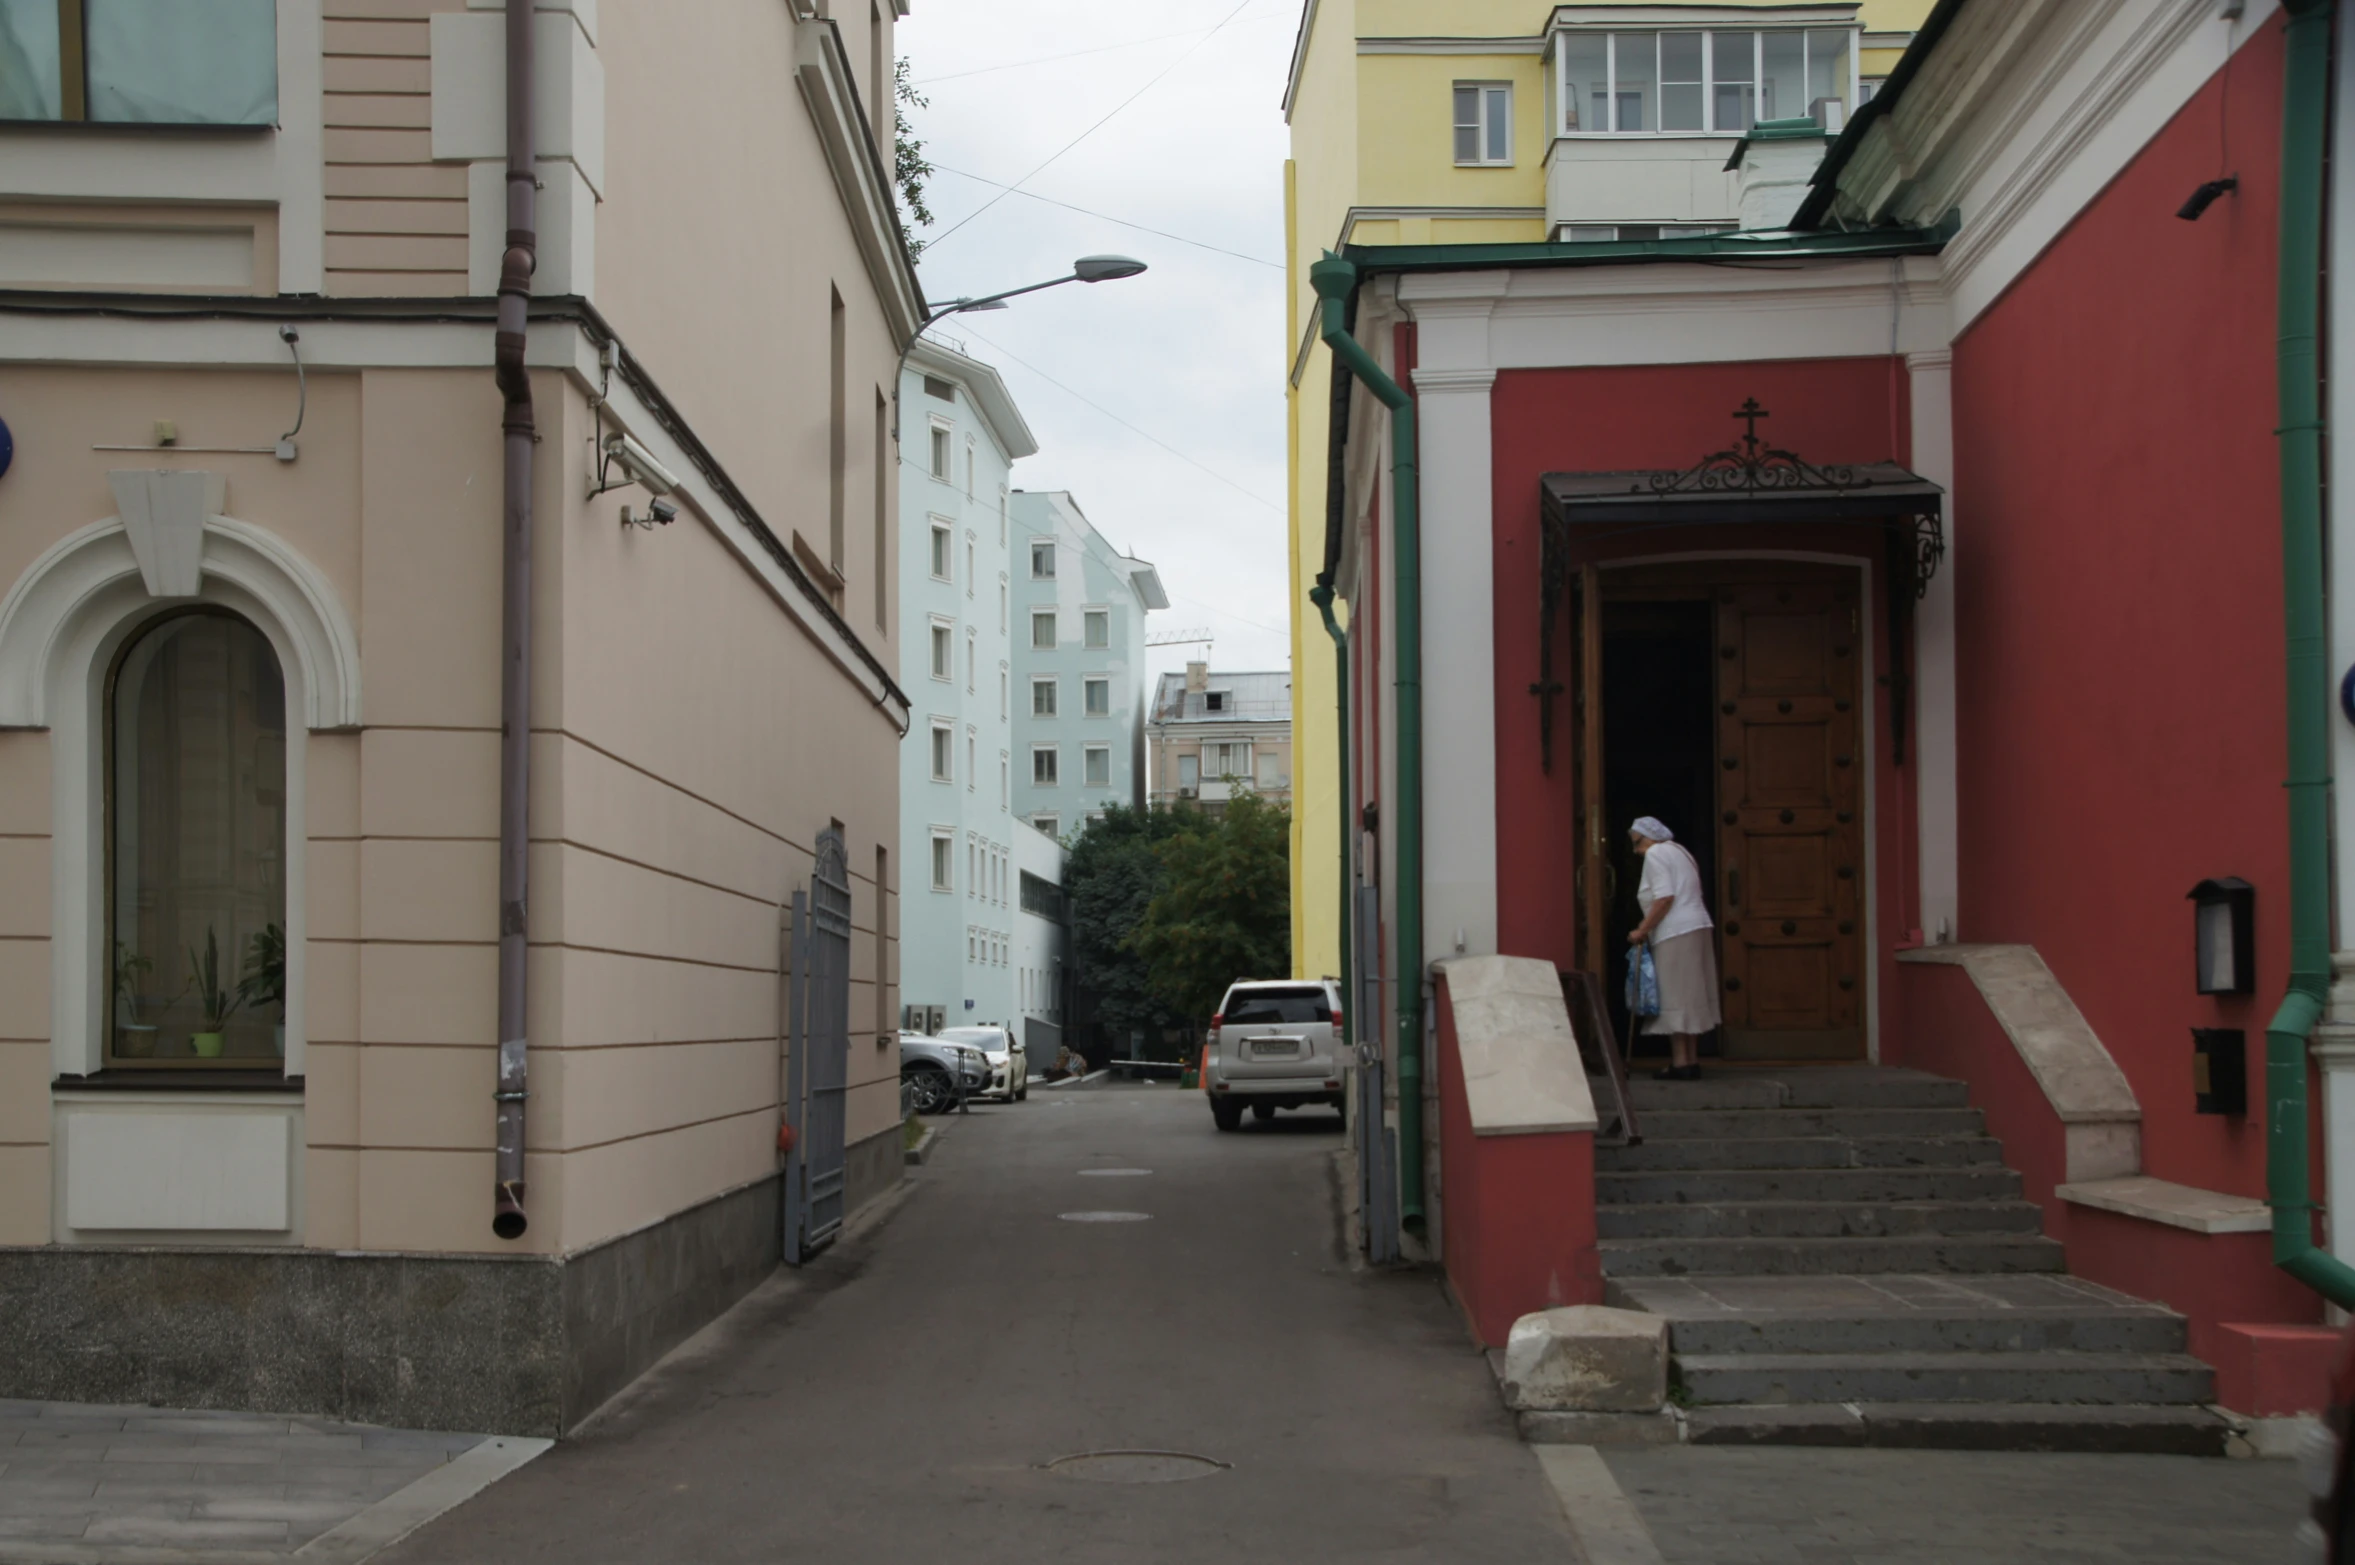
column 1274, row 1044
column 1009, row 1062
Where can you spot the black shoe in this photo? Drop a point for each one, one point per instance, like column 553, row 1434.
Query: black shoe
column 1677, row 1073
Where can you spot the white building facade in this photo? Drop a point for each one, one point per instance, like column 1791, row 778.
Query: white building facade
column 1079, row 666
column 960, row 435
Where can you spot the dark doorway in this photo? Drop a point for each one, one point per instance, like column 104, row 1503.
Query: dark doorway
column 1660, row 757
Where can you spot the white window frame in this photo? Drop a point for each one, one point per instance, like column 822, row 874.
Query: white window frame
column 1054, row 690
column 943, row 449
column 944, row 859
column 1092, row 686
column 972, row 758
column 1042, row 549
column 972, row 660
column 1089, row 619
column 1053, row 755
column 1054, row 630
column 1486, row 98
column 1089, row 756
column 1005, row 782
column 944, row 550
column 1560, row 86
column 1051, row 825
column 969, row 464
column 944, row 636
column 972, row 573
column 944, row 748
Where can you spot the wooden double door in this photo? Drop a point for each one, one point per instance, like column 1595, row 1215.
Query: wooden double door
column 1765, row 785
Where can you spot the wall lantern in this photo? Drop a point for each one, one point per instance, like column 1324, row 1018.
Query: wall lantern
column 2220, row 1070
column 2224, row 922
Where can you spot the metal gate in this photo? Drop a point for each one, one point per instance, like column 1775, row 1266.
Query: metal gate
column 818, row 1027
column 1377, row 1143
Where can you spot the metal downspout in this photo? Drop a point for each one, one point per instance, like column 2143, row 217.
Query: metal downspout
column 1335, row 280
column 515, row 633
column 2305, row 123
column 1322, row 596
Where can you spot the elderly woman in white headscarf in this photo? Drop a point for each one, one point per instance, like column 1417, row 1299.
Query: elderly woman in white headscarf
column 1684, row 947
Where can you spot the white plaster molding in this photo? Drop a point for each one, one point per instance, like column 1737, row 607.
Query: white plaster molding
column 2025, row 114
column 162, row 512
column 1570, row 317
column 1522, row 1072
column 2177, row 1206
column 2100, row 1118
column 1936, row 747
column 1444, row 382
column 1455, row 462
column 104, row 604
column 1451, row 46
column 60, row 588
column 823, row 74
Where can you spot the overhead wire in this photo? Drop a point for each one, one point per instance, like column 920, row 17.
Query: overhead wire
column 1182, row 56
column 1132, row 428
column 1050, row 59
column 1106, row 217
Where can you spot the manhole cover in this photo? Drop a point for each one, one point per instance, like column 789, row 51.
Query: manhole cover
column 1105, row 1217
column 1113, row 1173
column 1136, row 1466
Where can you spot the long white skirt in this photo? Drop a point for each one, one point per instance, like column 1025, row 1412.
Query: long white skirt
column 1687, row 965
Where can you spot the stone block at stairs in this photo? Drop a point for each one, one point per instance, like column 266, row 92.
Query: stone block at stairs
column 1587, row 1358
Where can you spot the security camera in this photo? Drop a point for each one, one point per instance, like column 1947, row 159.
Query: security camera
column 640, row 464
column 663, row 512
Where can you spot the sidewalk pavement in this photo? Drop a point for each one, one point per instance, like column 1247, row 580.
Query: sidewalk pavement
column 91, row 1485
column 1790, row 1505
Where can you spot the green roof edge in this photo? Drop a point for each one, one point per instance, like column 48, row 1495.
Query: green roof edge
column 1826, row 179
column 1779, row 243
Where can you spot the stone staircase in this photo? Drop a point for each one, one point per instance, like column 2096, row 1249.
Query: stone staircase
column 1844, row 1259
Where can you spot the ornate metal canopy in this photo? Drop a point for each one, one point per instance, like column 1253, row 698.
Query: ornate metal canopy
column 1748, row 484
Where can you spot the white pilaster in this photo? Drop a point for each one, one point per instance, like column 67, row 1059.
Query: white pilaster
column 1459, row 649
column 1933, row 738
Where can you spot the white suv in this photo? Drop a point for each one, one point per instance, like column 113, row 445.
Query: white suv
column 1274, row 1044
column 1009, row 1062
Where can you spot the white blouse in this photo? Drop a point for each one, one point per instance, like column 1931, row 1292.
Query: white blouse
column 1669, row 871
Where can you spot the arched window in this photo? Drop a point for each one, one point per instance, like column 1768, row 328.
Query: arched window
column 196, row 846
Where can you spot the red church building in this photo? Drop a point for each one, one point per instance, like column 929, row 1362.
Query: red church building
column 1948, row 569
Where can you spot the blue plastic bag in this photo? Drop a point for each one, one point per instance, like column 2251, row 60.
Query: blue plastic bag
column 1643, row 982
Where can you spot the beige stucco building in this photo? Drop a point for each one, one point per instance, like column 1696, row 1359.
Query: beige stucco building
column 251, row 657
column 1210, row 736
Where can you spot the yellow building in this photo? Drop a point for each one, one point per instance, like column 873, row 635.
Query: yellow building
column 1422, row 122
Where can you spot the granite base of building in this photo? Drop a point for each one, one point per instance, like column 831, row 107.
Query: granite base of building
column 501, row 1345
column 871, row 1167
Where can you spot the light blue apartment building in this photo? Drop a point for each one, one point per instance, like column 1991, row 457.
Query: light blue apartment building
column 960, row 905
column 1079, row 665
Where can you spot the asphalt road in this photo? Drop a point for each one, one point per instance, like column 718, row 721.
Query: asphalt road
column 900, row 1399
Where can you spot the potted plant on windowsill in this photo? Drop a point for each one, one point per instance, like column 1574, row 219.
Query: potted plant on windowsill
column 214, row 1003
column 264, row 980
column 134, row 1039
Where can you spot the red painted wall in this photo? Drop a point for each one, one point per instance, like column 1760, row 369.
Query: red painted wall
column 1517, row 1212
column 1654, row 417
column 2118, row 573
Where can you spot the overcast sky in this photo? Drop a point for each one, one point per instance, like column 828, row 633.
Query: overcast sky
column 1191, row 354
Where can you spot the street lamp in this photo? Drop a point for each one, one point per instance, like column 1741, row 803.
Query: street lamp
column 1087, row 269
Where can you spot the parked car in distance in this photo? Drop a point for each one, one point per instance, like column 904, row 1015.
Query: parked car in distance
column 1274, row 1044
column 939, row 1073
column 1009, row 1063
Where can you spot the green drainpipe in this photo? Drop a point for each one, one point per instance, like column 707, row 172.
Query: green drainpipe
column 1334, row 280
column 2305, row 119
column 1322, row 596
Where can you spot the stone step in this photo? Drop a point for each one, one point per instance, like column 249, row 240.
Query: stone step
column 1967, row 1426
column 2147, row 1379
column 1979, row 1182
column 1829, row 1257
column 1828, row 1086
column 1800, row 1152
column 1816, row 1219
column 1896, row 1313
column 1706, row 1124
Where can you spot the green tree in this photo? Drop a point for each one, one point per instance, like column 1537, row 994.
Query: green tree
column 1112, row 875
column 1225, row 910
column 909, row 169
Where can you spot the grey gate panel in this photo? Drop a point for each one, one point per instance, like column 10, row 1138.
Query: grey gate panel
column 818, row 1091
